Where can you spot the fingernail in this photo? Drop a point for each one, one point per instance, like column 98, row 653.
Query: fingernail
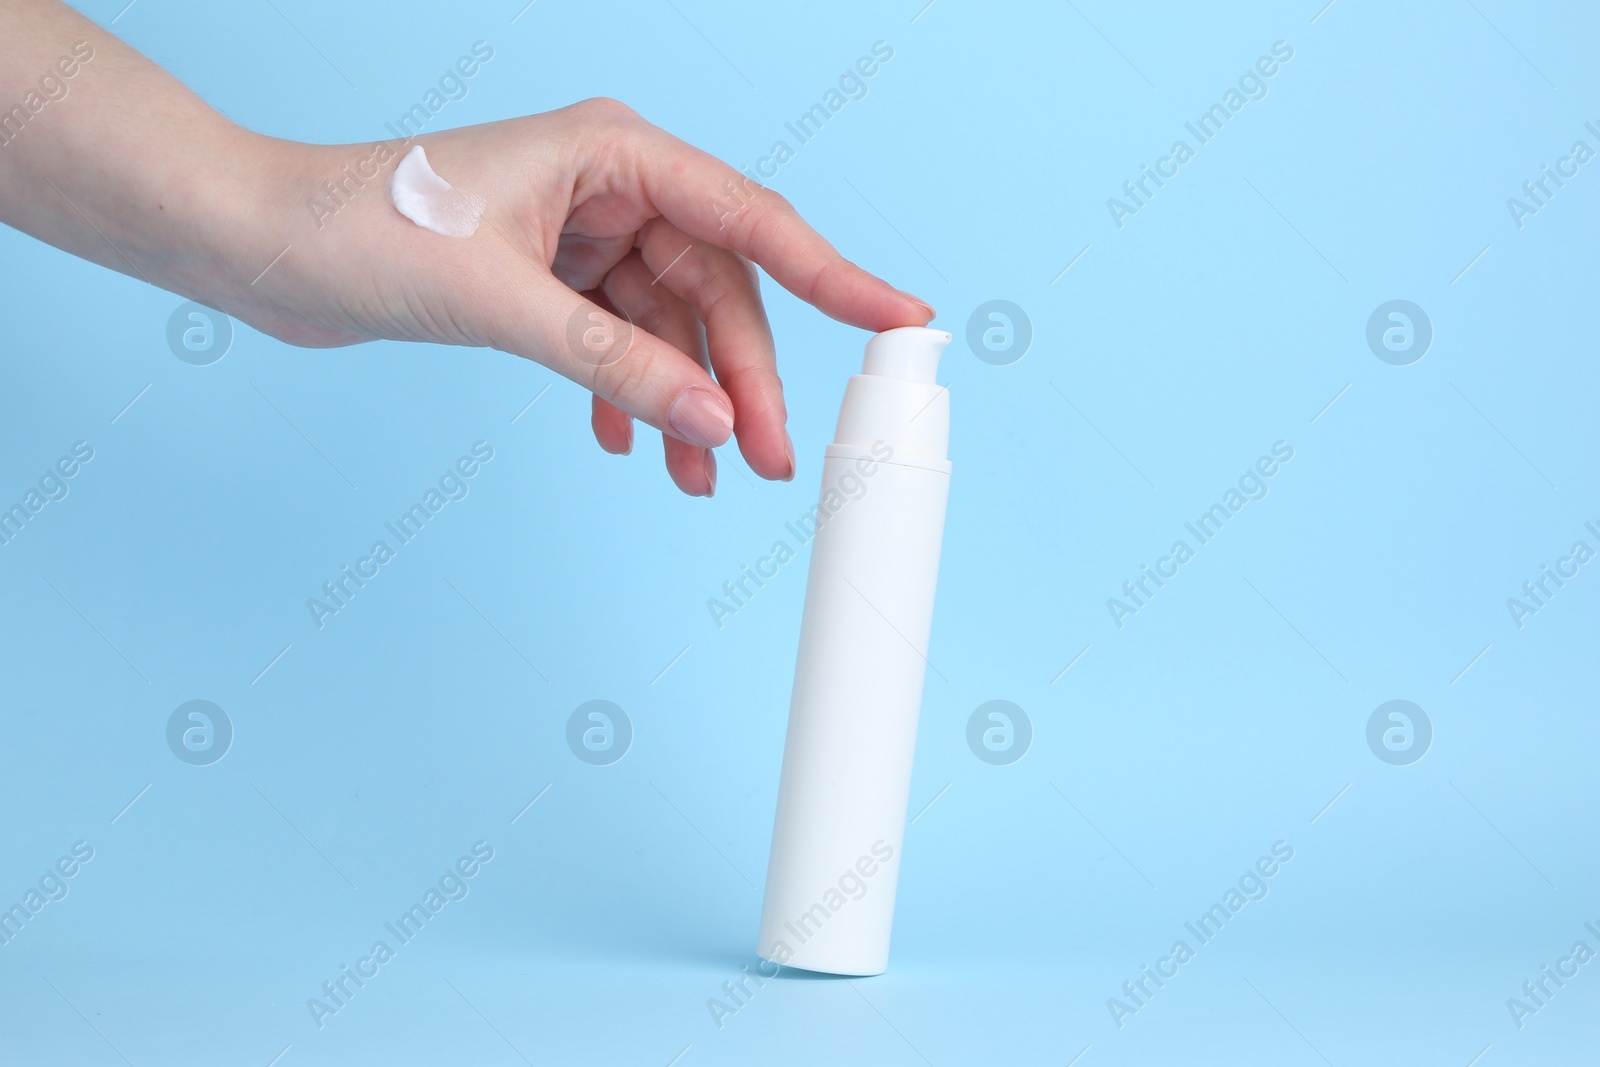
column 921, row 303
column 788, row 450
column 711, row 473
column 700, row 418
column 627, row 448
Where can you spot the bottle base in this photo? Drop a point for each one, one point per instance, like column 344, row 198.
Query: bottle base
column 829, row 968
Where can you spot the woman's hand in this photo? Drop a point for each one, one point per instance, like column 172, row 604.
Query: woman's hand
column 608, row 250
column 591, row 213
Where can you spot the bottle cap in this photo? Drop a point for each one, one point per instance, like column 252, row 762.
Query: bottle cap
column 895, row 410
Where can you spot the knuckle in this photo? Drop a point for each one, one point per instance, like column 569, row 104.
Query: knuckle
column 715, row 294
column 753, row 379
column 769, row 199
column 768, row 212
column 629, row 377
column 656, row 319
column 820, row 280
column 609, row 109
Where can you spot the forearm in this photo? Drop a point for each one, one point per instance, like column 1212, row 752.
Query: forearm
column 107, row 156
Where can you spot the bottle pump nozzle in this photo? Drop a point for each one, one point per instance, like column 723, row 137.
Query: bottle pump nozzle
column 910, row 352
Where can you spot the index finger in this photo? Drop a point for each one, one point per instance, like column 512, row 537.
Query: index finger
column 708, row 199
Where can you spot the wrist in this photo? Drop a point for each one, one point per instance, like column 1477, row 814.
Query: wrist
column 257, row 249
column 235, row 216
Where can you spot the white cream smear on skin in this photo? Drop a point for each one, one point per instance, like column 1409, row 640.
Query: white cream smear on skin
column 431, row 202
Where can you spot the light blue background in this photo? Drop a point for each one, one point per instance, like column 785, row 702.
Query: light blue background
column 1224, row 717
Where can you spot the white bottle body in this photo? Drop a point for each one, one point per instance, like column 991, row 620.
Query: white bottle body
column 837, row 840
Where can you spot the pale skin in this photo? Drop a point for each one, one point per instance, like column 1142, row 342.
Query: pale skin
column 590, row 210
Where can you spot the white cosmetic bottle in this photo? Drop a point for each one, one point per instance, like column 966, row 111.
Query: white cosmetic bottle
column 836, row 843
